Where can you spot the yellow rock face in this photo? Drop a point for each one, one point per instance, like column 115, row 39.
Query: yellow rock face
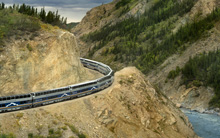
column 48, row 61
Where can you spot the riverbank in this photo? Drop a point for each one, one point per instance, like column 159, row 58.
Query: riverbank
column 206, row 125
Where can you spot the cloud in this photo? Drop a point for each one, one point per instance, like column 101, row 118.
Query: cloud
column 74, row 10
column 57, row 2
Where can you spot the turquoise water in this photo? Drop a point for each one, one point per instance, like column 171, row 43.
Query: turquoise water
column 205, row 125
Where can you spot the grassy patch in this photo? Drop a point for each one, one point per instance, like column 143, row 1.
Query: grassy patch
column 11, row 135
column 29, row 47
column 12, row 24
column 76, row 131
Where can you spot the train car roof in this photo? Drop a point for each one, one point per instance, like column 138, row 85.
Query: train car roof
column 16, row 95
column 52, row 89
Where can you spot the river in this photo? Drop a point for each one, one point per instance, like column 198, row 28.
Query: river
column 205, row 125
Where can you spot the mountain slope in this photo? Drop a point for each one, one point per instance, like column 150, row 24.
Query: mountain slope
column 166, row 30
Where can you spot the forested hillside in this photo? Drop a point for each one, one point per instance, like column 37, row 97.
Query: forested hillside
column 148, row 39
column 202, row 70
column 143, row 38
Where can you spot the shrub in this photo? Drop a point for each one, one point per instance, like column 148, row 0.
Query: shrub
column 174, row 73
column 29, row 47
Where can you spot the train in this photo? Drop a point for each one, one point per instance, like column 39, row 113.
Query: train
column 35, row 99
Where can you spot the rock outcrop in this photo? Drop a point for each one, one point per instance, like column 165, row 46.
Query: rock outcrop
column 131, row 107
column 48, row 61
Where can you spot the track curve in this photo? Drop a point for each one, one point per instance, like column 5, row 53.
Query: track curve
column 35, row 99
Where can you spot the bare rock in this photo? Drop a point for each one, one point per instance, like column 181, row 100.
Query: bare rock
column 49, row 61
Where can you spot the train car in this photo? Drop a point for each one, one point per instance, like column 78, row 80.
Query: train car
column 50, row 96
column 102, row 68
column 104, row 82
column 89, row 63
column 82, row 89
column 15, row 102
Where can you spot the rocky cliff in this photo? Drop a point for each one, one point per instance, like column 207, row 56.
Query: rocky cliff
column 46, row 61
column 131, row 107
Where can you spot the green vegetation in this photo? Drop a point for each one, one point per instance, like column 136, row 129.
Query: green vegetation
column 51, row 17
column 122, row 3
column 52, row 134
column 7, row 135
column 172, row 74
column 147, row 40
column 204, row 69
column 74, row 130
column 29, row 47
column 71, row 25
column 14, row 24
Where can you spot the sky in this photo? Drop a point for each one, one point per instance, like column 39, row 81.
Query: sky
column 74, row 10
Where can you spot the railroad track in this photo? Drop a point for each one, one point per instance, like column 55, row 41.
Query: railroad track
column 35, row 99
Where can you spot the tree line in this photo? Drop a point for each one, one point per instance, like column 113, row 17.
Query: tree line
column 204, row 69
column 48, row 17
